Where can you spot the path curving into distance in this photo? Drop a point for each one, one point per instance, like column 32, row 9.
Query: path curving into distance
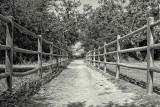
column 79, row 86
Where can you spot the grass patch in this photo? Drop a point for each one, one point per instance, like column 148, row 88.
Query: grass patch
column 26, row 87
column 133, row 81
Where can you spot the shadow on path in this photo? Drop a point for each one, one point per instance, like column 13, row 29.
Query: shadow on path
column 110, row 104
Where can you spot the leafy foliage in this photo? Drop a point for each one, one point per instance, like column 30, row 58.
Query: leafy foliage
column 60, row 21
column 114, row 18
column 43, row 17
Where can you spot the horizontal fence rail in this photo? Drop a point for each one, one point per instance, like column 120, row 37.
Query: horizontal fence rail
column 91, row 56
column 61, row 55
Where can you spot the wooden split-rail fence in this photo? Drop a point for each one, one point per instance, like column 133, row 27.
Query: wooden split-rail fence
column 61, row 54
column 91, row 55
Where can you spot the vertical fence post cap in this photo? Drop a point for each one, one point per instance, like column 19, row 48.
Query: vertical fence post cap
column 99, row 46
column 150, row 20
column 40, row 36
column 118, row 36
column 10, row 18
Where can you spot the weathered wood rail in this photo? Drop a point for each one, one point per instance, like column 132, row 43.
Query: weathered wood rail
column 91, row 55
column 61, row 55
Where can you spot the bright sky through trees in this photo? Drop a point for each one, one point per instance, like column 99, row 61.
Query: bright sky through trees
column 93, row 3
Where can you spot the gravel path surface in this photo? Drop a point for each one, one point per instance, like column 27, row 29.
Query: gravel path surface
column 79, row 86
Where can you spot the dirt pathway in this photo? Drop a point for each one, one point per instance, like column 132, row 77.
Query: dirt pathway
column 79, row 86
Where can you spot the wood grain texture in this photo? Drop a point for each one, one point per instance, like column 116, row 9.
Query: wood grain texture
column 150, row 55
column 9, row 54
column 118, row 58
column 40, row 56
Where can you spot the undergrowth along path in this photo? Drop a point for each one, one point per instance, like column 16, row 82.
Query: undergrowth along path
column 79, row 86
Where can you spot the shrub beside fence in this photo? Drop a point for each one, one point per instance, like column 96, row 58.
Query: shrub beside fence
column 91, row 56
column 61, row 54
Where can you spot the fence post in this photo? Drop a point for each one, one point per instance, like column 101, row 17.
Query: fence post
column 118, row 58
column 57, row 59
column 64, row 58
column 86, row 58
column 9, row 54
column 104, row 57
column 40, row 56
column 89, row 57
column 67, row 57
column 51, row 52
column 94, row 58
column 63, row 63
column 99, row 57
column 60, row 59
column 150, row 55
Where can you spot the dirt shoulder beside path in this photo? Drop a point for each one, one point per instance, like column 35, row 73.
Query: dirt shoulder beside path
column 80, row 86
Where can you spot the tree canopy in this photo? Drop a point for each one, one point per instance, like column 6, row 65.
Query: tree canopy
column 60, row 21
column 114, row 17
